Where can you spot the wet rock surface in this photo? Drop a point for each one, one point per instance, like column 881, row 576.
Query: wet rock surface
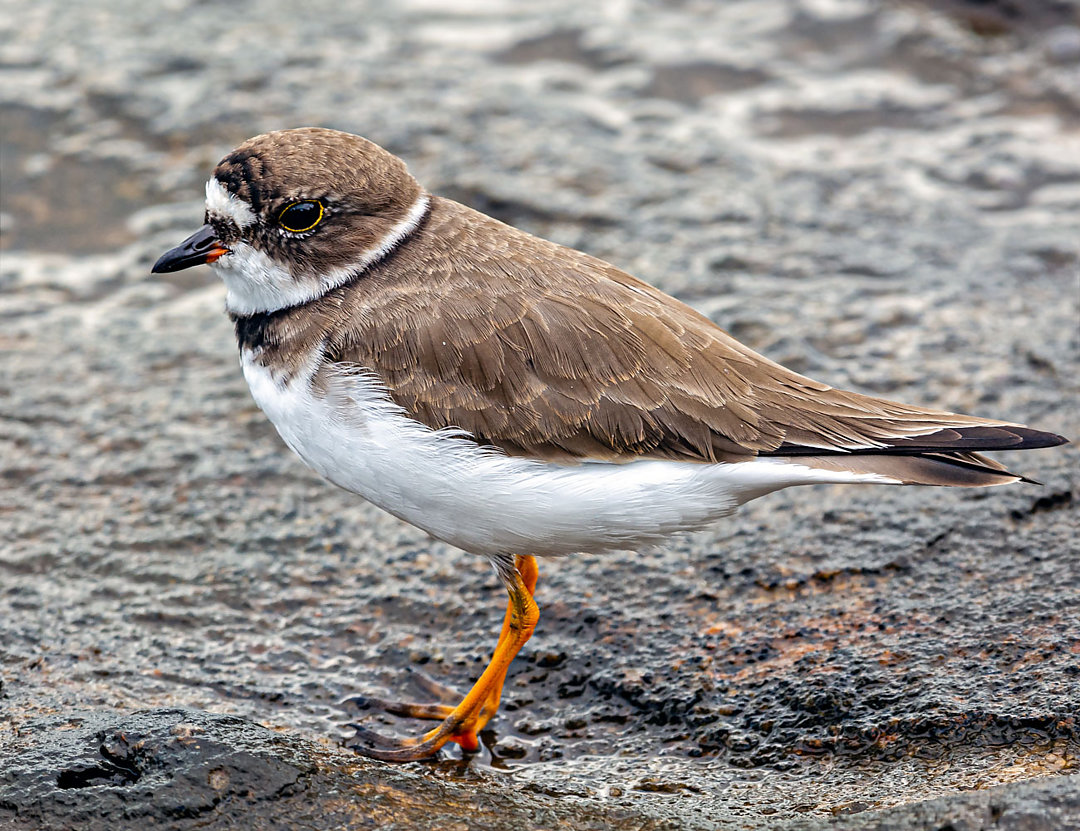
column 883, row 196
column 87, row 769
column 192, row 769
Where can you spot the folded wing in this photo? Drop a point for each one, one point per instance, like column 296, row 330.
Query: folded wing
column 597, row 365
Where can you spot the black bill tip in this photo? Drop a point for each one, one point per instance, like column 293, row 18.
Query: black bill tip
column 200, row 248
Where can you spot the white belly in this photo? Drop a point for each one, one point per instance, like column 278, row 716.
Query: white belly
column 488, row 503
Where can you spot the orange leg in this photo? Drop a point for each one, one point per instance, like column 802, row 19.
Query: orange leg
column 461, row 723
column 526, row 567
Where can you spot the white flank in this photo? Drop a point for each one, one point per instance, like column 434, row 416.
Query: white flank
column 255, row 283
column 488, row 503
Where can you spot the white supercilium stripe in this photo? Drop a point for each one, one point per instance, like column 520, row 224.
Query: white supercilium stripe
column 255, row 283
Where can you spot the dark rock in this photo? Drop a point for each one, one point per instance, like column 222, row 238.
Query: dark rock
column 188, row 769
column 881, row 195
column 180, row 767
column 1043, row 805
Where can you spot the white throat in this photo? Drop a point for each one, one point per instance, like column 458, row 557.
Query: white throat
column 255, row 283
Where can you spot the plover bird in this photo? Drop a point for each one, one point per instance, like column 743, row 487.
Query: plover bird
column 513, row 397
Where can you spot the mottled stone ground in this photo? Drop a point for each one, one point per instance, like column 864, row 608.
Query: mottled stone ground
column 882, row 195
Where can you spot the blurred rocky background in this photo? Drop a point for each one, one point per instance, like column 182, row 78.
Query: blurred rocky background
column 883, row 195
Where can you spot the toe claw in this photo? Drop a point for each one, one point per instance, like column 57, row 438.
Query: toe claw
column 360, row 703
column 363, row 704
column 376, row 746
column 365, row 739
column 432, row 687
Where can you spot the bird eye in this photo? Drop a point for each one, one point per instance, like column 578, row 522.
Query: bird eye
column 301, row 216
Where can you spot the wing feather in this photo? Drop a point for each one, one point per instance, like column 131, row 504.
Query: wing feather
column 544, row 351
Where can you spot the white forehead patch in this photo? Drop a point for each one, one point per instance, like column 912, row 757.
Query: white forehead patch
column 221, row 203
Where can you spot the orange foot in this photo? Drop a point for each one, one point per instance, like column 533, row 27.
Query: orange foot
column 461, row 724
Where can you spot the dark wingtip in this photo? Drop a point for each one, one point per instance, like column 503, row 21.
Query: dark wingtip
column 979, row 438
column 1054, row 440
column 992, row 437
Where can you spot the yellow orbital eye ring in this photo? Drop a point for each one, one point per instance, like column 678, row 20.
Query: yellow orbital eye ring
column 304, row 216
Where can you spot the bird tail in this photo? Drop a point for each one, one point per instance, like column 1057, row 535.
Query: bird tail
column 947, row 457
